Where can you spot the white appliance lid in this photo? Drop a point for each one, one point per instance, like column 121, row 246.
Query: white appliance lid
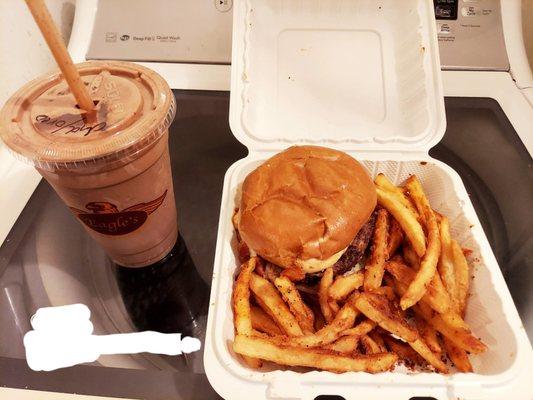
column 361, row 75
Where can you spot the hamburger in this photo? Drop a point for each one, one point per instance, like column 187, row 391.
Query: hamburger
column 308, row 208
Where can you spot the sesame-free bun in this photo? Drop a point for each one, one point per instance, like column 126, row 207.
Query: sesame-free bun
column 304, row 206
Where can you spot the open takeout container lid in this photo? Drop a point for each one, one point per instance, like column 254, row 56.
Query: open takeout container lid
column 364, row 75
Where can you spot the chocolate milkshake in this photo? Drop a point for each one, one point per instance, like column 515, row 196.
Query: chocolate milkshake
column 111, row 167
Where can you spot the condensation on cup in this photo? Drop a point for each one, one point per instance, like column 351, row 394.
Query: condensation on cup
column 111, row 167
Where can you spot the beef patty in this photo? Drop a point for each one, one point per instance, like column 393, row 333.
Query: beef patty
column 353, row 254
column 357, row 248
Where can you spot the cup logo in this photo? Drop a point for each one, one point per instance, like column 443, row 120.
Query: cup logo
column 104, row 217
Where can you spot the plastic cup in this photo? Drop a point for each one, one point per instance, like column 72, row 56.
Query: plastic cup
column 111, row 168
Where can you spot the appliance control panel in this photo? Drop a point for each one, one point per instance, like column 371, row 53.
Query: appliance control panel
column 180, row 31
column 470, row 34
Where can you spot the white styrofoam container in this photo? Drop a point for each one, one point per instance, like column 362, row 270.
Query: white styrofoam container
column 362, row 76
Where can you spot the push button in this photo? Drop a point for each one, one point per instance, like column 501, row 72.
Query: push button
column 444, row 29
column 469, row 11
column 223, row 5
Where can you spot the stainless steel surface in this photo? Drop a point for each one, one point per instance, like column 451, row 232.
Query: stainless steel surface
column 473, row 40
column 479, row 143
column 163, row 30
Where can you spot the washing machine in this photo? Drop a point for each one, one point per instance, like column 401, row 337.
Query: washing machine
column 46, row 259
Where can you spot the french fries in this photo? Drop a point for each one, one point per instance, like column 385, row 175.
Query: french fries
column 241, row 299
column 462, row 337
column 344, row 319
column 445, row 265
column 383, row 182
column 439, row 293
column 378, row 309
column 405, row 352
column 440, row 300
column 370, row 346
column 428, row 265
column 421, row 348
column 262, row 322
column 333, row 306
column 342, row 286
column 457, row 356
column 405, row 217
column 375, row 269
column 320, row 322
column 453, row 319
column 376, row 336
column 395, row 237
column 315, row 358
column 448, row 324
column 410, row 256
column 404, row 275
column 413, row 263
column 323, row 294
column 345, row 344
column 418, row 197
column 274, row 304
column 361, row 329
column 461, row 277
column 301, row 311
column 386, row 291
column 241, row 306
column 429, row 335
